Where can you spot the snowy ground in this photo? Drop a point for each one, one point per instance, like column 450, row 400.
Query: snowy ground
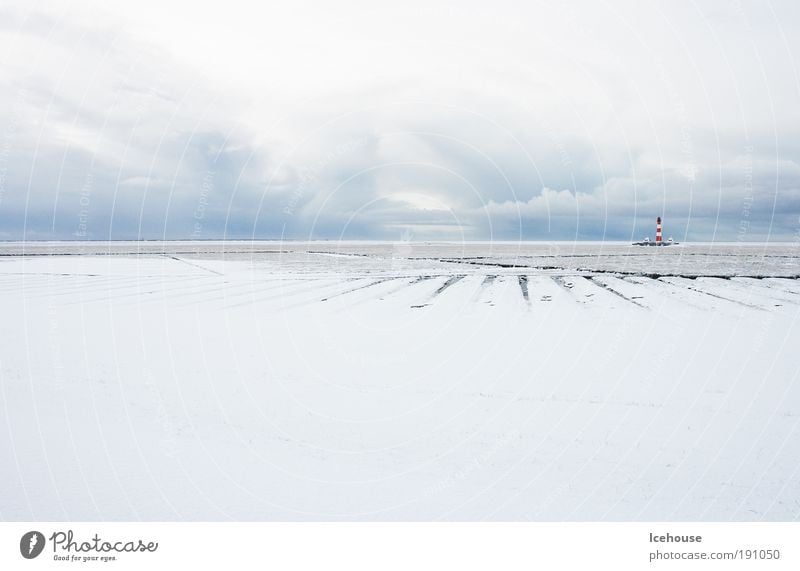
column 380, row 381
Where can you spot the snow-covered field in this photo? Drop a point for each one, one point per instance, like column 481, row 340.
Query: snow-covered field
column 399, row 381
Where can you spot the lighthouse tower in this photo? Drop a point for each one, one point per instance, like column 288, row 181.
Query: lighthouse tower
column 659, row 238
column 658, row 231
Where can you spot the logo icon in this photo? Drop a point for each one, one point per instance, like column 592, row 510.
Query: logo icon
column 31, row 544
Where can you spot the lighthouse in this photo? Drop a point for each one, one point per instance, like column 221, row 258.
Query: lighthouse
column 659, row 238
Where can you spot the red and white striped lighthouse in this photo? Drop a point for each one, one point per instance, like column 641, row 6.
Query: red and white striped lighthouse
column 658, row 231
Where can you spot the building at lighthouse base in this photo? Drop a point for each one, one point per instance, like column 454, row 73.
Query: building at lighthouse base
column 648, row 242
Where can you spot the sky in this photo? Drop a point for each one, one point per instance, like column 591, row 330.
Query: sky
column 417, row 120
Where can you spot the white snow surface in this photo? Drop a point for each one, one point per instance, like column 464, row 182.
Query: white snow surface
column 399, row 381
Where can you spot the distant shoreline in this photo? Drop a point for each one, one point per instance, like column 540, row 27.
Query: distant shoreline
column 388, row 241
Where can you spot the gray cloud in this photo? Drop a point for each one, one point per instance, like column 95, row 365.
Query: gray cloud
column 111, row 135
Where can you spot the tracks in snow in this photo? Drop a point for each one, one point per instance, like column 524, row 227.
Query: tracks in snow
column 413, row 291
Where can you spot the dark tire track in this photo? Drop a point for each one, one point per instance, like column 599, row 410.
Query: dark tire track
column 371, row 284
column 450, row 281
column 610, row 289
column 714, row 295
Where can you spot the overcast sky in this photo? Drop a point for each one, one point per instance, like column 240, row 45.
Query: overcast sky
column 421, row 120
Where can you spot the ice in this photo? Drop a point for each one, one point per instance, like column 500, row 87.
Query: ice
column 399, row 381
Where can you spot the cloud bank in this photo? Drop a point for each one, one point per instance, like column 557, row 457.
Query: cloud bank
column 435, row 122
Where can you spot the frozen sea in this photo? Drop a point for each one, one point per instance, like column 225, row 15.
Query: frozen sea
column 399, row 381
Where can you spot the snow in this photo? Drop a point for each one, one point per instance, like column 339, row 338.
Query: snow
column 405, row 381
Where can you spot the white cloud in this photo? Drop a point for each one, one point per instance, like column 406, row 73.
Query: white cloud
column 309, row 113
